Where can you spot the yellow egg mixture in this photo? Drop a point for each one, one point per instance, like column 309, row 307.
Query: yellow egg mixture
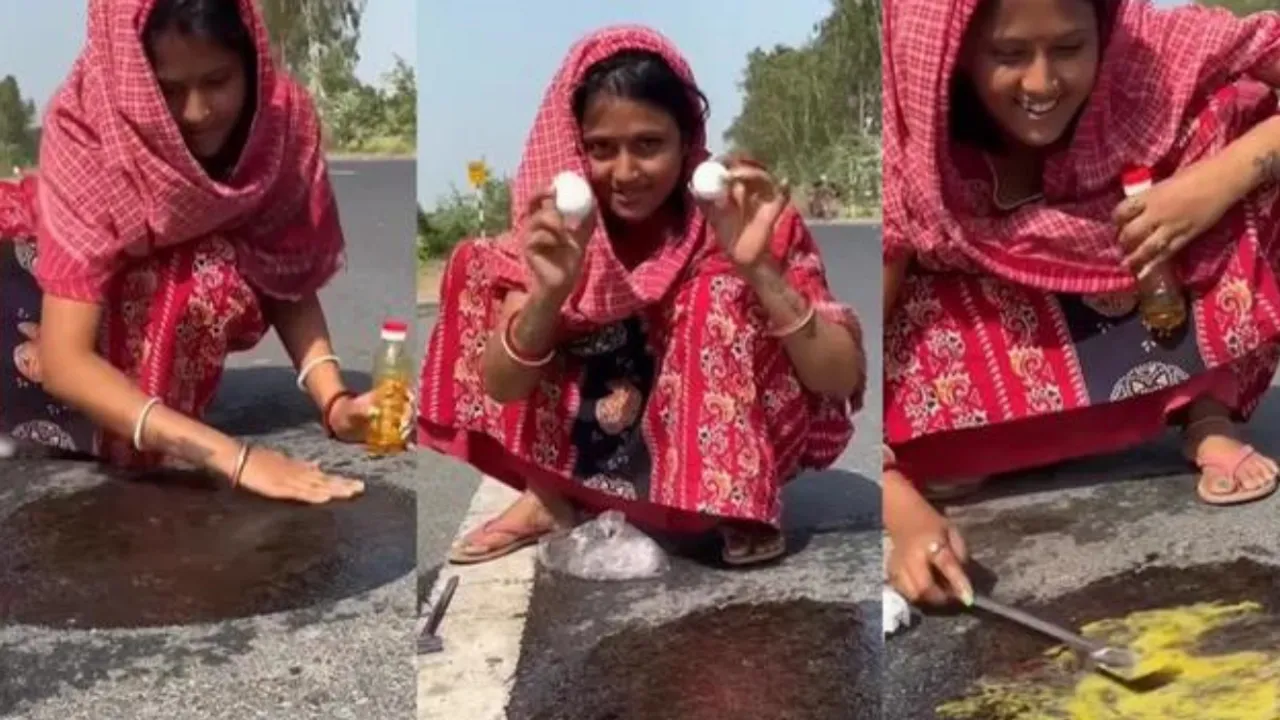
column 1235, row 686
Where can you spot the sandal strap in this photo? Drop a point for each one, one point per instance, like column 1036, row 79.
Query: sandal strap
column 1229, row 468
column 496, row 527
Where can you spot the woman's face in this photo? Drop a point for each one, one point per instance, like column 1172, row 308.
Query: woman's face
column 1033, row 64
column 635, row 153
column 204, row 85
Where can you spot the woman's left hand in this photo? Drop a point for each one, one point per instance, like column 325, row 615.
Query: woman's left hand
column 349, row 418
column 1156, row 225
column 745, row 218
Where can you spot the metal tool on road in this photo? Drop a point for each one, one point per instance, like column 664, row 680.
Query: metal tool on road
column 429, row 641
column 1120, row 661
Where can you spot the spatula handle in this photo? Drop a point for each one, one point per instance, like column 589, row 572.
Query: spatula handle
column 1075, row 641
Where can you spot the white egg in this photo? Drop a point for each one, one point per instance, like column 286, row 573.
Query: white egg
column 895, row 610
column 710, row 181
column 573, row 196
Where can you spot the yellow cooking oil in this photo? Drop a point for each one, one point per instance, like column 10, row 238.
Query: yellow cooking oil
column 1161, row 301
column 1202, row 686
column 391, row 401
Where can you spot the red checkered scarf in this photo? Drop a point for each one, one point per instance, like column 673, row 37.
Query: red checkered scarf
column 1159, row 69
column 117, row 179
column 607, row 291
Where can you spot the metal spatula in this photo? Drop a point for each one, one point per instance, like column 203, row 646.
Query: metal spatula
column 1121, row 661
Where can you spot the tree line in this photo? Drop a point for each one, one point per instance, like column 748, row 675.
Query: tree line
column 316, row 41
column 809, row 112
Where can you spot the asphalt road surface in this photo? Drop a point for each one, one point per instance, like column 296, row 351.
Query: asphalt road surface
column 1089, row 540
column 514, row 635
column 216, row 605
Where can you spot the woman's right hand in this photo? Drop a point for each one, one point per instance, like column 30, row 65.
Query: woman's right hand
column 553, row 249
column 926, row 564
column 279, row 477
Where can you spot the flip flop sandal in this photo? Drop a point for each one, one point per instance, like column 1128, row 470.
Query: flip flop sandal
column 952, row 491
column 518, row 538
column 1224, row 487
column 759, row 547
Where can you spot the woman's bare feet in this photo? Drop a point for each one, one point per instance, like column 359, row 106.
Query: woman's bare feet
column 522, row 524
column 1232, row 471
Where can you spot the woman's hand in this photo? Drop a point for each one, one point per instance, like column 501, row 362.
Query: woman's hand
column 350, row 417
column 1156, row 225
column 273, row 475
column 745, row 218
column 554, row 249
column 926, row 564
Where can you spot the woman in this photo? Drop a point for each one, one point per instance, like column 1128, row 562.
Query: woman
column 182, row 207
column 1013, row 339
column 679, row 363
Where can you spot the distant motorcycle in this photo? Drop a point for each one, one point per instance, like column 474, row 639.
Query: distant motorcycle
column 824, row 202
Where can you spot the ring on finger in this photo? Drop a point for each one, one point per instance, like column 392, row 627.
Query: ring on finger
column 935, row 547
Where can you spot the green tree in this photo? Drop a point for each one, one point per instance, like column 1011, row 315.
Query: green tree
column 457, row 216
column 400, row 100
column 316, row 39
column 18, row 143
column 814, row 110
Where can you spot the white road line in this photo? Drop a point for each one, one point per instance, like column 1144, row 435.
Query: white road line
column 483, row 628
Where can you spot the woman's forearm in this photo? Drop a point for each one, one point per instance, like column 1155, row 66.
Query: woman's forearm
column 895, row 272
column 827, row 357
column 532, row 336
column 1251, row 161
column 902, row 503
column 304, row 333
column 73, row 372
column 88, row 383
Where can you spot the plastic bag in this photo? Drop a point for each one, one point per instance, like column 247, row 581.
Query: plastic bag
column 606, row 548
column 896, row 612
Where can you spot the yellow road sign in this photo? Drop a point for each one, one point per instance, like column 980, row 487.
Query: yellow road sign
column 477, row 173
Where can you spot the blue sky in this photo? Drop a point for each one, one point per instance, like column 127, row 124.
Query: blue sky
column 38, row 42
column 483, row 65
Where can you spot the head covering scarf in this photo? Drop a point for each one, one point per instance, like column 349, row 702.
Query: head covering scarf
column 607, row 291
column 118, row 182
column 1158, row 71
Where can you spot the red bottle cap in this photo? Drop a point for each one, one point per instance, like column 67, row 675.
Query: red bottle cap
column 395, row 326
column 1136, row 176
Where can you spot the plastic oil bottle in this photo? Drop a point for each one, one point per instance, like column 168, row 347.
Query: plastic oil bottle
column 1160, row 298
column 391, row 373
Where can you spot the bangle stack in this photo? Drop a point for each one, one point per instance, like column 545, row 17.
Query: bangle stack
column 241, row 460
column 796, row 326
column 140, row 425
column 312, row 365
column 328, row 410
column 522, row 360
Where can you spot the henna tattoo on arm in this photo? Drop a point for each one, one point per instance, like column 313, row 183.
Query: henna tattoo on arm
column 775, row 284
column 190, row 453
column 534, row 329
column 1268, row 166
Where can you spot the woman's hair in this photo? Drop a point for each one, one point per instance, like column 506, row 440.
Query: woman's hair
column 220, row 22
column 646, row 77
column 216, row 20
column 969, row 123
